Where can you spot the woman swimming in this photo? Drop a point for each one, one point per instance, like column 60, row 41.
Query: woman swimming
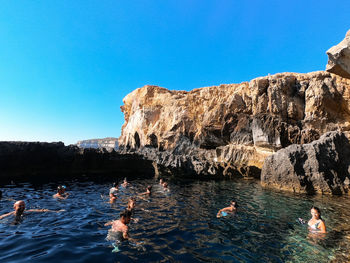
column 316, row 224
column 61, row 192
column 224, row 211
column 125, row 183
column 113, row 192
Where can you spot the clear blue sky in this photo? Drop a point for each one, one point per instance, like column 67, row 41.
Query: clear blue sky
column 66, row 65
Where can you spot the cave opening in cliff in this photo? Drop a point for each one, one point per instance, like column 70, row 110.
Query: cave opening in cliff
column 137, row 140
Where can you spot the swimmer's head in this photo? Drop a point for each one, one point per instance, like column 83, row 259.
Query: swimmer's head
column 125, row 180
column 234, row 204
column 165, row 184
column 131, row 203
column 316, row 212
column 61, row 189
column 125, row 217
column 161, row 181
column 115, row 184
column 19, row 207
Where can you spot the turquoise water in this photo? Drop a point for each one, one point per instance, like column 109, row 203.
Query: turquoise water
column 175, row 226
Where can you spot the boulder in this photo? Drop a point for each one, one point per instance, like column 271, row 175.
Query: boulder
column 322, row 166
column 339, row 58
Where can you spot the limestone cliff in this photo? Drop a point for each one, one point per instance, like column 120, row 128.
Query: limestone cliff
column 230, row 129
column 339, row 58
column 322, row 166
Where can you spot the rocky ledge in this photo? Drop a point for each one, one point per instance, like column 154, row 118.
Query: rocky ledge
column 55, row 161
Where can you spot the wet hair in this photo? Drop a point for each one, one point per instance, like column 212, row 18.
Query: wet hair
column 149, row 187
column 115, row 184
column 235, row 205
column 125, row 214
column 318, row 211
column 61, row 187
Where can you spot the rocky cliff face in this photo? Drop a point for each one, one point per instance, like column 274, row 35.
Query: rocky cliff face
column 231, row 129
column 339, row 58
column 322, row 166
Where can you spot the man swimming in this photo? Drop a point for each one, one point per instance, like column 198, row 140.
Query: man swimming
column 19, row 208
column 165, row 187
column 148, row 191
column 113, row 192
column 61, row 192
column 224, row 211
column 125, row 183
column 120, row 227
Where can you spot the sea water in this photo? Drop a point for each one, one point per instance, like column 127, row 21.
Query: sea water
column 175, row 226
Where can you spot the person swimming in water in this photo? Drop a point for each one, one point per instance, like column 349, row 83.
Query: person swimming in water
column 131, row 207
column 148, row 191
column 113, row 192
column 224, row 211
column 125, row 183
column 19, row 208
column 316, row 224
column 61, row 192
column 165, row 187
column 120, row 226
column 131, row 204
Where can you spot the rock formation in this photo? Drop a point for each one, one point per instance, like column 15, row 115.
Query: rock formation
column 231, row 129
column 45, row 161
column 339, row 58
column 109, row 142
column 322, row 166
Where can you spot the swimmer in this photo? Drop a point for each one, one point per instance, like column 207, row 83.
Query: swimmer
column 131, row 207
column 165, row 186
column 61, row 192
column 131, row 204
column 120, row 226
column 161, row 181
column 224, row 211
column 148, row 191
column 316, row 224
column 113, row 193
column 19, row 208
column 125, row 183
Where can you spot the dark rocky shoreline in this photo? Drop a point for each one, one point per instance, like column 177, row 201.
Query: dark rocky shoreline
column 322, row 166
column 38, row 161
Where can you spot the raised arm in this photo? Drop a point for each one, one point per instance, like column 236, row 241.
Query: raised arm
column 5, row 215
column 44, row 210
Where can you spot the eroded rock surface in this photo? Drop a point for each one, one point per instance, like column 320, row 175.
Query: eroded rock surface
column 231, row 129
column 339, row 58
column 322, row 166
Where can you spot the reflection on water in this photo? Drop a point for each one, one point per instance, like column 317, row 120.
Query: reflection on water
column 179, row 225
